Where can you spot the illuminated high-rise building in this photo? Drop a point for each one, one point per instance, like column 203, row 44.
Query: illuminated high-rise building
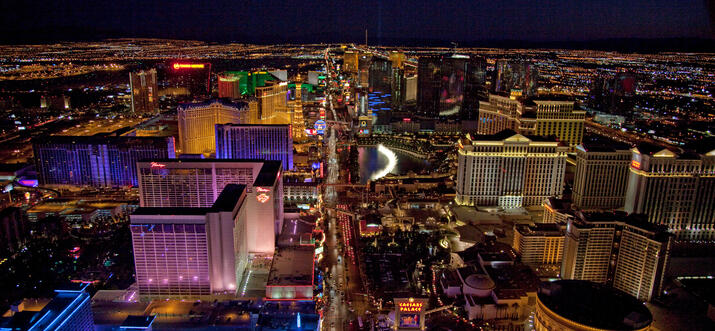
column 197, row 123
column 198, row 183
column 272, row 100
column 675, row 188
column 410, row 88
column 613, row 94
column 106, row 161
column 380, row 75
column 350, row 62
column 541, row 116
column 192, row 253
column 398, row 87
column 229, row 85
column 363, row 74
column 509, row 170
column 601, row 174
column 69, row 310
column 515, row 75
column 623, row 251
column 499, row 113
column 145, row 93
column 398, row 59
column 555, row 118
column 450, row 86
column 249, row 141
column 195, row 77
column 539, row 244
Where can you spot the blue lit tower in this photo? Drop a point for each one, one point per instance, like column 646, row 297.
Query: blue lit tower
column 246, row 141
column 96, row 161
column 69, row 310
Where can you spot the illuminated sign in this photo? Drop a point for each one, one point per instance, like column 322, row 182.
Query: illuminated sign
column 178, row 66
column 311, row 132
column 157, row 165
column 320, row 126
column 410, row 307
column 635, row 164
column 263, row 198
column 411, row 321
column 262, row 189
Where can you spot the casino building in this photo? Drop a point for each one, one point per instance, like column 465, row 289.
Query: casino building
column 509, row 170
column 96, row 161
column 197, row 123
column 197, row 183
column 585, row 306
column 192, row 253
column 248, row 141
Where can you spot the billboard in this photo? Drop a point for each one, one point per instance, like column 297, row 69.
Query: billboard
column 410, row 313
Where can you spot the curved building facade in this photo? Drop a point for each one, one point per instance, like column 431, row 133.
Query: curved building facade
column 586, row 306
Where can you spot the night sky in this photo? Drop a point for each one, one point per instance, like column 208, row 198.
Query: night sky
column 306, row 21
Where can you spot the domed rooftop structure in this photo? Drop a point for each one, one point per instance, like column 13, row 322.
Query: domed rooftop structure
column 583, row 305
column 479, row 282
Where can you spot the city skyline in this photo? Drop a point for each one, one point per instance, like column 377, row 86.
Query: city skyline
column 357, row 166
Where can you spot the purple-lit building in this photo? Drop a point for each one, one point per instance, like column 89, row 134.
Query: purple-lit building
column 179, row 183
column 247, row 141
column 192, row 253
column 96, row 161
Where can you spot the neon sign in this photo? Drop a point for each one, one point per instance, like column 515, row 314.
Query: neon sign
column 263, row 198
column 178, row 66
column 157, row 165
column 261, row 189
column 635, row 164
column 410, row 307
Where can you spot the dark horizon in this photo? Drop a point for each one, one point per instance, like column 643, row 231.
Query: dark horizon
column 635, row 25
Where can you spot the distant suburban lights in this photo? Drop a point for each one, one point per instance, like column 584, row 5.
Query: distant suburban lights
column 178, row 66
column 635, row 164
column 157, row 165
column 263, row 198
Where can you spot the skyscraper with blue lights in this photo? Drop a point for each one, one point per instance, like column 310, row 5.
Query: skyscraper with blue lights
column 264, row 142
column 69, row 310
column 96, row 161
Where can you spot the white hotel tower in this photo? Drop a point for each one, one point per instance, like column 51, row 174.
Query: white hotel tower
column 510, row 170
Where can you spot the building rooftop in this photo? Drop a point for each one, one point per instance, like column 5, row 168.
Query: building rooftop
column 226, row 201
column 639, row 221
column 598, row 143
column 255, row 125
column 268, row 174
column 292, row 267
column 594, row 305
column 236, row 105
column 128, row 141
column 506, row 134
column 539, row 229
column 137, row 322
column 513, row 279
